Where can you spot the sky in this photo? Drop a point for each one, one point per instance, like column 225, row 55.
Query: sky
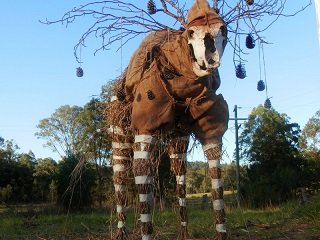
column 37, row 70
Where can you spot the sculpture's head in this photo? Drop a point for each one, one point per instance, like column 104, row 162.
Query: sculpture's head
column 207, row 37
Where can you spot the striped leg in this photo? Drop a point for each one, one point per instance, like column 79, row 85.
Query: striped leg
column 213, row 153
column 122, row 143
column 177, row 150
column 143, row 176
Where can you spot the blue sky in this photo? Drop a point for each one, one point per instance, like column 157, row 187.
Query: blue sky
column 37, row 70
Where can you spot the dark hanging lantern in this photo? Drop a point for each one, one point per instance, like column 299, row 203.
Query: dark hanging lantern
column 261, row 86
column 151, row 6
column 240, row 71
column 79, row 72
column 250, row 41
column 250, row 2
column 267, row 103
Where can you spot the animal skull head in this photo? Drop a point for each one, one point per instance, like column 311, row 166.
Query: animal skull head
column 207, row 46
column 207, row 37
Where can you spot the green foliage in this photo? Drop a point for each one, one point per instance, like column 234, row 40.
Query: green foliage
column 310, row 145
column 27, row 159
column 79, row 131
column 310, row 137
column 44, row 174
column 5, row 193
column 70, row 131
column 197, row 177
column 96, row 145
column 273, row 163
column 166, row 185
column 95, row 140
column 74, row 184
column 62, row 130
column 16, row 173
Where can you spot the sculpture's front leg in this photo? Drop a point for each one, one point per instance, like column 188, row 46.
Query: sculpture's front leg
column 177, row 150
column 143, row 176
column 209, row 129
column 212, row 152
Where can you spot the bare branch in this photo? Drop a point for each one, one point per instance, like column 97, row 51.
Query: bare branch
column 115, row 21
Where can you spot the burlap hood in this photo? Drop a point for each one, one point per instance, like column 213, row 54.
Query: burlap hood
column 201, row 14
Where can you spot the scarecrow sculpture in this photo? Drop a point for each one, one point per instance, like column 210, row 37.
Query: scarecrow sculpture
column 168, row 93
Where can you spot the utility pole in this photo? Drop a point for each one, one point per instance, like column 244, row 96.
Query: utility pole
column 237, row 126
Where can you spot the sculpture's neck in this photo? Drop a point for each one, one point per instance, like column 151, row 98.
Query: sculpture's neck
column 177, row 53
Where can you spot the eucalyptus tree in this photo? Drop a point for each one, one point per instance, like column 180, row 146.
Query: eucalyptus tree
column 80, row 132
column 62, row 131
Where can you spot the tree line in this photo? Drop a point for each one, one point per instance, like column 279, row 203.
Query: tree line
column 277, row 157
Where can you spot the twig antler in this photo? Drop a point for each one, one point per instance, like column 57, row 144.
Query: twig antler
column 120, row 21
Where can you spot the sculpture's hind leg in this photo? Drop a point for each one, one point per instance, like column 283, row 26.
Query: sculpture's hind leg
column 177, row 150
column 143, row 175
column 122, row 154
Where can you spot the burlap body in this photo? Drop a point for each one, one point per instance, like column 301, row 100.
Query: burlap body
column 164, row 90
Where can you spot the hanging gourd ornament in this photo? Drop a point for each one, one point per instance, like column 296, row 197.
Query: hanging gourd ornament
column 267, row 103
column 240, row 71
column 151, row 6
column 250, row 42
column 250, row 2
column 261, row 86
column 79, row 72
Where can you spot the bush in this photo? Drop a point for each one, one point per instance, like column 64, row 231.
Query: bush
column 74, row 191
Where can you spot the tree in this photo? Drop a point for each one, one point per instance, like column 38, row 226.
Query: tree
column 44, row 174
column 8, row 150
column 229, row 176
column 310, row 145
column 27, row 159
column 74, row 189
column 269, row 145
column 80, row 131
column 197, row 177
column 62, row 131
column 5, row 193
column 10, row 189
column 96, row 143
column 165, row 182
column 310, row 136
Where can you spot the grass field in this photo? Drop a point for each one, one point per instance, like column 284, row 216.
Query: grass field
column 289, row 221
